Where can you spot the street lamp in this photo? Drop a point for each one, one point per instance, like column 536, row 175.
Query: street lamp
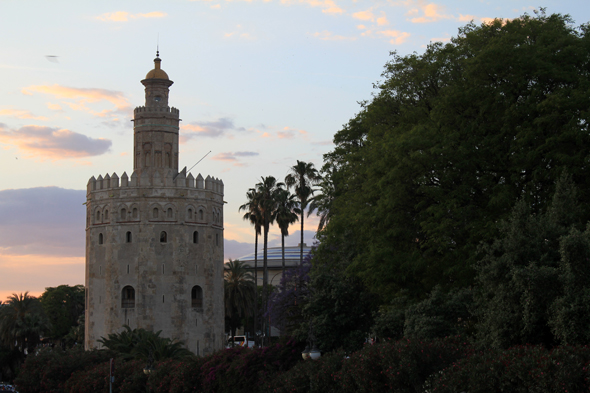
column 149, row 368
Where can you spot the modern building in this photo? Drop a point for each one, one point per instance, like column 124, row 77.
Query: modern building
column 154, row 240
column 274, row 258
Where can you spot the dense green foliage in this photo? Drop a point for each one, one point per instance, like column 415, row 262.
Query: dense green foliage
column 452, row 139
column 239, row 294
column 63, row 305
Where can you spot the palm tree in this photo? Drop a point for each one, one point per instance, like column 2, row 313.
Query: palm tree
column 254, row 216
column 240, row 293
column 267, row 191
column 302, row 177
column 322, row 202
column 286, row 215
column 22, row 322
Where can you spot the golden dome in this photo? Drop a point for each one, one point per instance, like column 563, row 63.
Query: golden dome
column 157, row 72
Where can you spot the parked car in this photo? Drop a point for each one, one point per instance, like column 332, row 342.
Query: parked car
column 239, row 341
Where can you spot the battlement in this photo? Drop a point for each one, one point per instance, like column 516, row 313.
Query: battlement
column 170, row 180
column 147, row 109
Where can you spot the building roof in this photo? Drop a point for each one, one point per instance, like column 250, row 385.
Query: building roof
column 275, row 257
column 157, row 72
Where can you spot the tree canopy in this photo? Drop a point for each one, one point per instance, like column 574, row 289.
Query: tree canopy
column 451, row 140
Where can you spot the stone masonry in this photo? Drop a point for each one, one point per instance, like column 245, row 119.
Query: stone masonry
column 154, row 240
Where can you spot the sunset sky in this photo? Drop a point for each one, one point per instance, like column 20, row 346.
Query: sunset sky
column 259, row 83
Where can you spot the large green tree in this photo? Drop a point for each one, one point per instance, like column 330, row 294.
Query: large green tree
column 63, row 305
column 22, row 322
column 450, row 141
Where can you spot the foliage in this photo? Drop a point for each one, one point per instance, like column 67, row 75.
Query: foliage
column 49, row 369
column 143, row 344
column 244, row 370
column 22, row 322
column 286, row 214
column 451, row 140
column 286, row 304
column 63, row 305
column 518, row 369
column 302, row 177
column 440, row 315
column 239, row 293
column 340, row 309
column 519, row 275
column 309, row 376
column 129, row 378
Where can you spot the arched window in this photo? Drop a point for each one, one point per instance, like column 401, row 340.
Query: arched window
column 128, row 237
column 170, row 213
column 134, row 212
column 128, row 297
column 201, row 214
column 106, row 215
column 163, row 237
column 196, row 237
column 190, row 214
column 147, row 159
column 123, row 214
column 155, row 212
column 197, row 297
column 97, row 216
column 100, row 238
column 168, row 164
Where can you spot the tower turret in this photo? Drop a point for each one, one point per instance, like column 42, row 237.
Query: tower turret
column 156, row 127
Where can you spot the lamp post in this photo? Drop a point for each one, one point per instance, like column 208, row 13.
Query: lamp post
column 149, row 368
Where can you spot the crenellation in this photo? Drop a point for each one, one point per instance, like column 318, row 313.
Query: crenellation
column 99, row 182
column 200, row 182
column 106, row 181
column 190, row 181
column 114, row 180
column 124, row 180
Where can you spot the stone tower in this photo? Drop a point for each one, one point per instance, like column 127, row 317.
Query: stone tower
column 154, row 240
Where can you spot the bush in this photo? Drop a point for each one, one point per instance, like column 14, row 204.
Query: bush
column 518, row 369
column 49, row 369
column 401, row 366
column 308, row 376
column 129, row 378
column 244, row 370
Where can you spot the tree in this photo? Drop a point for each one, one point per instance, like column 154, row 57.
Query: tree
column 143, row 344
column 451, row 140
column 253, row 215
column 63, row 305
column 518, row 278
column 286, row 214
column 240, row 293
column 302, row 177
column 22, row 322
column 267, row 192
column 322, row 202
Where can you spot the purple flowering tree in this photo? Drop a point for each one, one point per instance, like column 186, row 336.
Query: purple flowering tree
column 286, row 302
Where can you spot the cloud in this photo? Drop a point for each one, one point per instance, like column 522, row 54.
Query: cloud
column 20, row 114
column 53, row 143
column 327, row 6
column 329, row 36
column 234, row 156
column 211, row 129
column 364, row 15
column 54, row 107
column 430, row 13
column 289, row 133
column 83, row 96
column 122, row 16
column 42, row 221
column 233, row 249
column 397, row 37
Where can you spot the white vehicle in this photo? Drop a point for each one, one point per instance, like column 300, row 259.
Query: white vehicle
column 239, row 341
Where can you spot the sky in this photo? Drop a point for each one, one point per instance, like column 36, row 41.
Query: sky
column 259, row 84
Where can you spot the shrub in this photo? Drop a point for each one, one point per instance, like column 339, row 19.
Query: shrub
column 518, row 369
column 401, row 366
column 308, row 376
column 129, row 378
column 49, row 369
